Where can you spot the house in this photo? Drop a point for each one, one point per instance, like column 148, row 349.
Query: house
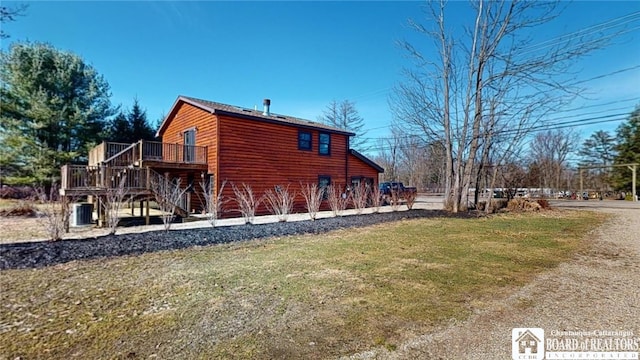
column 205, row 141
column 527, row 343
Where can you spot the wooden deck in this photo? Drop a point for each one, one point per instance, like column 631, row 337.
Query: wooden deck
column 149, row 153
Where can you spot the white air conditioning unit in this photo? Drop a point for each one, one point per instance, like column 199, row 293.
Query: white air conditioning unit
column 81, row 214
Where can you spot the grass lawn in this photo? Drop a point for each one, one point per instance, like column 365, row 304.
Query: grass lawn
column 312, row 296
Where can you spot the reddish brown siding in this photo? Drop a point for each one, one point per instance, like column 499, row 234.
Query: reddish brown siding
column 187, row 117
column 264, row 155
column 358, row 168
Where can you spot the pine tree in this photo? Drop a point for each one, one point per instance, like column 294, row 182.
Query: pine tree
column 131, row 126
column 140, row 128
column 344, row 115
column 628, row 149
column 120, row 130
column 54, row 107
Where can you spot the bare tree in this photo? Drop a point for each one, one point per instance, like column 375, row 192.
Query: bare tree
column 550, row 149
column 280, row 201
column 54, row 212
column 168, row 195
column 344, row 115
column 10, row 14
column 213, row 202
column 312, row 195
column 492, row 70
column 247, row 202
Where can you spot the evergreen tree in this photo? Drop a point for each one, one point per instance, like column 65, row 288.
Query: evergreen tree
column 628, row 149
column 131, row 126
column 54, row 108
column 140, row 128
column 120, row 130
column 344, row 115
column 598, row 149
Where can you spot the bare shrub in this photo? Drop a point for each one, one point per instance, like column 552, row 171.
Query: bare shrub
column 168, row 196
column 247, row 202
column 523, row 205
column 111, row 203
column 21, row 209
column 395, row 200
column 359, row 196
column 376, row 199
column 54, row 212
column 280, row 201
column 18, row 192
column 337, row 199
column 498, row 204
column 312, row 194
column 213, row 203
column 410, row 197
column 544, row 203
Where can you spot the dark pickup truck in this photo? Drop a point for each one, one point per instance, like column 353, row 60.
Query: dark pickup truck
column 390, row 189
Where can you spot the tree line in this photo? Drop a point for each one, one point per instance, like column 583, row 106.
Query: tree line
column 550, row 161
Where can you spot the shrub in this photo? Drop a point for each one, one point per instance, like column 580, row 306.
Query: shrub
column 18, row 192
column 22, row 208
column 337, row 199
column 247, row 202
column 280, row 202
column 213, row 204
column 410, row 197
column 359, row 197
column 376, row 199
column 55, row 213
column 544, row 203
column 312, row 194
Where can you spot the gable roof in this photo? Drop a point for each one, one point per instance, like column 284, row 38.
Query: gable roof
column 366, row 160
column 245, row 113
column 527, row 334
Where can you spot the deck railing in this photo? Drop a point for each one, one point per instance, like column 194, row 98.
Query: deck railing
column 98, row 179
column 173, row 153
column 77, row 177
column 119, row 154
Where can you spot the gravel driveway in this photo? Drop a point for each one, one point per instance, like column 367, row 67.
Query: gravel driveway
column 598, row 290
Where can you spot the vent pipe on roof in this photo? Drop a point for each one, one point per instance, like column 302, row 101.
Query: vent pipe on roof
column 267, row 104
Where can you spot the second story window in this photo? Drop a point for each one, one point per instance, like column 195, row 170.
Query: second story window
column 324, row 144
column 304, row 140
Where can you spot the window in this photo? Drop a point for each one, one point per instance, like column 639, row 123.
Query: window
column 189, row 154
column 324, row 144
column 304, row 140
column 323, row 183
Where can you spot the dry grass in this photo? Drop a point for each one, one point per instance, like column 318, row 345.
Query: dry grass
column 295, row 297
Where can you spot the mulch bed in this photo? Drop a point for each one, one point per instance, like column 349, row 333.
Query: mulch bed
column 47, row 253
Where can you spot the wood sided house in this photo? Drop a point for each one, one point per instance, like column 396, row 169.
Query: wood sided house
column 213, row 142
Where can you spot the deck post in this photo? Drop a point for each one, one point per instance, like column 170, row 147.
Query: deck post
column 146, row 219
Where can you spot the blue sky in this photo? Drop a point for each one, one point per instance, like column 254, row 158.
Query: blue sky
column 300, row 54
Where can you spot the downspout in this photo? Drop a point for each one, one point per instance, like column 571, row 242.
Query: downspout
column 346, row 165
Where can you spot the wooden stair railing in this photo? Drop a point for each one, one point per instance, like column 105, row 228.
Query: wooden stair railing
column 124, row 161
